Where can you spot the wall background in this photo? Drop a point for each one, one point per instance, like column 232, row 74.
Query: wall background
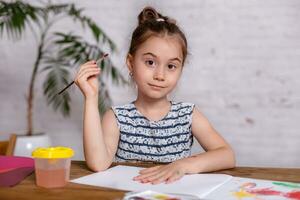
column 243, row 74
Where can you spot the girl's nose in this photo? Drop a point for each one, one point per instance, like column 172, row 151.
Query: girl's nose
column 159, row 74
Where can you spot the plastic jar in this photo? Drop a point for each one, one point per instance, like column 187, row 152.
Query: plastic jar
column 52, row 166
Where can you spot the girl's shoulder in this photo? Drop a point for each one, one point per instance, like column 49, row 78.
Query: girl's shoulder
column 182, row 106
column 126, row 109
column 181, row 112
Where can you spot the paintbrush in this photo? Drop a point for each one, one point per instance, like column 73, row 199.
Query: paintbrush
column 100, row 59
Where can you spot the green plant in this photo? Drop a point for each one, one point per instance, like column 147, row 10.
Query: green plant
column 58, row 52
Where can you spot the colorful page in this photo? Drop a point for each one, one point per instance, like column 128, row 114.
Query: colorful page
column 120, row 177
column 256, row 189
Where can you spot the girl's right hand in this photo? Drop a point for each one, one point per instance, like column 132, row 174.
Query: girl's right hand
column 86, row 79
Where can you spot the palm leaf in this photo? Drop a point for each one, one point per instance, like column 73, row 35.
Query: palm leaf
column 78, row 51
column 98, row 33
column 56, row 79
column 76, row 14
column 15, row 15
column 57, row 8
column 68, row 50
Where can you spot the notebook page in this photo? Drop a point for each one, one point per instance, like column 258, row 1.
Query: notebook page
column 120, row 177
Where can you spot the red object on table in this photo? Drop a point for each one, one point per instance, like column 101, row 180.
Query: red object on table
column 13, row 169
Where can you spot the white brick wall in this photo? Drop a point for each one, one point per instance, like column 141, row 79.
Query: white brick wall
column 242, row 74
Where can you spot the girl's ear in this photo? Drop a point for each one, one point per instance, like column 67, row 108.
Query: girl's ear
column 129, row 62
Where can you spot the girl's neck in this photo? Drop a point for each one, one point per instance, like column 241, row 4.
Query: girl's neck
column 153, row 109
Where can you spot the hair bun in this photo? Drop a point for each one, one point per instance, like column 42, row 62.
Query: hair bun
column 149, row 13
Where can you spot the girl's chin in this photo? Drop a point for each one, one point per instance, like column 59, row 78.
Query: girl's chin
column 156, row 95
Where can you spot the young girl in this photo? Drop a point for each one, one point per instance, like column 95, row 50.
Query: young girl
column 151, row 128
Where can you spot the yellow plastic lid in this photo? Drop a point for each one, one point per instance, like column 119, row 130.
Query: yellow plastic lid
column 53, row 152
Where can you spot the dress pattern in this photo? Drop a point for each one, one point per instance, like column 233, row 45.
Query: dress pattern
column 166, row 140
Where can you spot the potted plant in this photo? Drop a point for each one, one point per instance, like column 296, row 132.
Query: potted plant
column 57, row 51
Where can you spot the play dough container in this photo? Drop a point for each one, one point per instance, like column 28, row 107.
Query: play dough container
column 52, row 166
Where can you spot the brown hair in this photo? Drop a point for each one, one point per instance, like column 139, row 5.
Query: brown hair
column 152, row 23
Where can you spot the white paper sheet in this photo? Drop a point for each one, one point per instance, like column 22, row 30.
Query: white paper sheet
column 120, row 177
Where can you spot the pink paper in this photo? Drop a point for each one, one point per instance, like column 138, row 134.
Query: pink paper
column 14, row 169
column 11, row 162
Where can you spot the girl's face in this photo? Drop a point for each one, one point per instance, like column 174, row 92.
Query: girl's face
column 156, row 66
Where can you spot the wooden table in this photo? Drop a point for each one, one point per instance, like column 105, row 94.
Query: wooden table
column 28, row 190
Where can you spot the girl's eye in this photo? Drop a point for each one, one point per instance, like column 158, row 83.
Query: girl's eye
column 150, row 63
column 172, row 67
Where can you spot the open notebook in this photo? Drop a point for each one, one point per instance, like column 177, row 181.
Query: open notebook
column 208, row 186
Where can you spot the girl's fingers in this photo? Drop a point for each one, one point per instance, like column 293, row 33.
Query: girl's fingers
column 159, row 174
column 87, row 66
column 79, row 75
column 89, row 62
column 150, row 171
column 87, row 71
column 86, row 75
column 145, row 176
column 153, row 177
column 92, row 62
column 164, row 176
column 169, row 177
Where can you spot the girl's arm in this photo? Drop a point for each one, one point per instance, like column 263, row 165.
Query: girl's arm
column 218, row 155
column 99, row 140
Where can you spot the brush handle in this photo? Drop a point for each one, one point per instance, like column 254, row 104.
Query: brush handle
column 66, row 87
column 100, row 59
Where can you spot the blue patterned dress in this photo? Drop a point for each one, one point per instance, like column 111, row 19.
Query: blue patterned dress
column 166, row 140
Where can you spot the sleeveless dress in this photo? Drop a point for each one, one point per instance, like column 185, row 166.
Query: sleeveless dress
column 166, row 140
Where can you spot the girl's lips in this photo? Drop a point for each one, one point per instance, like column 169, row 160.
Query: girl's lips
column 156, row 86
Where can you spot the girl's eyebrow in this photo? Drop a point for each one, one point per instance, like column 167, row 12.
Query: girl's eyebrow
column 149, row 53
column 153, row 55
